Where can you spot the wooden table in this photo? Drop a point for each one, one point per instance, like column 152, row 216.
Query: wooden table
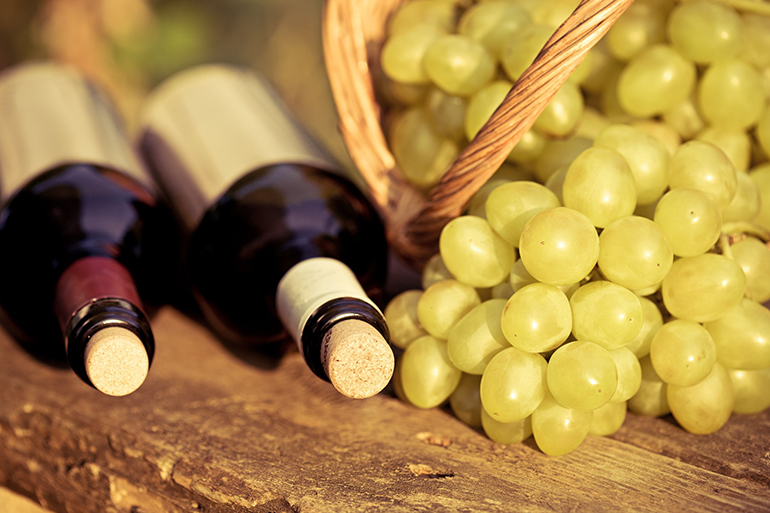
column 214, row 430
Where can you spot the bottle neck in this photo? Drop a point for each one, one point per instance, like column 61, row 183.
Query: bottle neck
column 92, row 294
column 325, row 317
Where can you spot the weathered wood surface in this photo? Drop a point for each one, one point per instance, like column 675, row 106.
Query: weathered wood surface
column 218, row 432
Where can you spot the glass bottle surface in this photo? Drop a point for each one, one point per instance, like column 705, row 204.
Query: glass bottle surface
column 268, row 221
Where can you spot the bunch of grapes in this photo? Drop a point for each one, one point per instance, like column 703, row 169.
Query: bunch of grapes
column 618, row 260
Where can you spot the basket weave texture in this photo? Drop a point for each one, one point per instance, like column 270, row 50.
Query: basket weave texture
column 354, row 32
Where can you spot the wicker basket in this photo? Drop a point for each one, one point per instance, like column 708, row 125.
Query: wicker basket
column 354, row 31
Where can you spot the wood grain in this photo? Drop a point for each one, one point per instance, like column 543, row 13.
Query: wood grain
column 215, row 430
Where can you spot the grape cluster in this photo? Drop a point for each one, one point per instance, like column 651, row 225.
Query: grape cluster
column 618, row 260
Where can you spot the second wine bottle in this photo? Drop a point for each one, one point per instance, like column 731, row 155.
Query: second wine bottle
column 278, row 242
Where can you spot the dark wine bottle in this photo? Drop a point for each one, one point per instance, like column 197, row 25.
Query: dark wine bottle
column 80, row 233
column 279, row 243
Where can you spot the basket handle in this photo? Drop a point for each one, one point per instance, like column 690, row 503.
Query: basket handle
column 347, row 63
column 414, row 226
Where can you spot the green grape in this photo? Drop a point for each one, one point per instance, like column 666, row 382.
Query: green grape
column 608, row 419
column 600, row 184
column 746, row 203
column 591, row 123
column 512, row 173
column 513, row 385
column 629, row 374
column 703, row 408
column 478, row 204
column 761, row 177
column 653, row 320
column 742, row 336
column 582, row 375
column 477, row 337
column 428, row 377
column 603, row 65
column 763, row 132
column 510, row 206
column 652, row 398
column 537, row 318
column 397, row 93
column 443, row 304
column 435, row 271
column 662, row 131
column 640, row 27
column 705, row 30
column 754, row 258
column 559, row 246
column 682, row 353
column 731, row 95
column 401, row 316
column 555, row 184
column 756, row 40
column 439, row 13
column 506, row 433
column 474, row 253
column 655, row 81
column 483, row 104
column 765, row 76
column 647, row 157
column 465, row 401
column 634, row 253
column 493, row 24
column 690, row 220
column 685, row 118
column 562, row 112
column 422, row 155
column 554, row 12
column 459, row 65
column 522, row 48
column 398, row 384
column 703, row 166
column 559, row 153
column 403, row 55
column 446, row 113
column 647, row 212
column 606, row 314
column 528, row 5
column 648, row 291
column 752, row 390
column 502, row 290
column 519, row 276
column 702, row 288
column 529, row 148
column 736, row 144
column 559, row 430
column 609, row 98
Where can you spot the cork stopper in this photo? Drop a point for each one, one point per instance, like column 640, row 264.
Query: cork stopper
column 357, row 359
column 116, row 361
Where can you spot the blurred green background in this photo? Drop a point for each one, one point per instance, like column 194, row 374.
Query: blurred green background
column 129, row 46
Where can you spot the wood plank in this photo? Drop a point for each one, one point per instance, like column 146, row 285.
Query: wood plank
column 217, row 430
column 11, row 502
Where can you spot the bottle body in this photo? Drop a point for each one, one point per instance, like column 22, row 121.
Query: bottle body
column 268, row 221
column 259, row 200
column 68, row 216
column 81, row 233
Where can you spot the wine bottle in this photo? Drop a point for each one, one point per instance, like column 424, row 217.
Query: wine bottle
column 80, row 232
column 279, row 243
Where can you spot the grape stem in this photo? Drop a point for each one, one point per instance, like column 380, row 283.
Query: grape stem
column 724, row 246
column 742, row 227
